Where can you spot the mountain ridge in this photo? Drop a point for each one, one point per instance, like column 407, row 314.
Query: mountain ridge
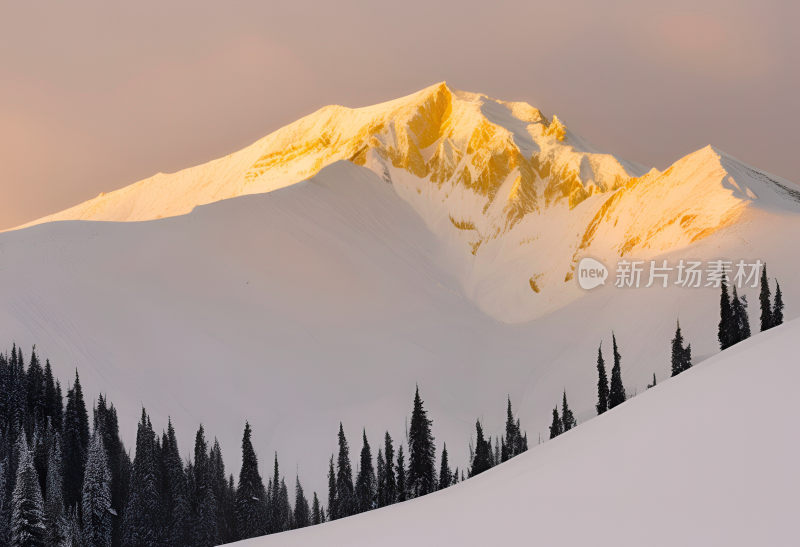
column 516, row 196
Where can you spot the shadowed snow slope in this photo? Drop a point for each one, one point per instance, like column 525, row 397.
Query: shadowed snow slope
column 707, row 458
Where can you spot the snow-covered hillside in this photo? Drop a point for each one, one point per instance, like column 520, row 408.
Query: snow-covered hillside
column 434, row 244
column 707, row 458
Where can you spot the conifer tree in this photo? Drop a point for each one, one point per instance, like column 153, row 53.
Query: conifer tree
column 345, row 494
column 513, row 439
column 96, row 494
column 727, row 324
column 275, row 523
column 616, row 393
column 765, row 300
column 302, row 513
column 421, row 451
column 119, row 463
column 380, row 479
column 482, row 459
column 177, row 494
column 140, row 526
column 742, row 322
column 284, row 508
column 557, row 426
column 36, row 403
column 202, row 500
column 5, row 517
column 54, row 502
column 27, row 506
column 225, row 499
column 602, row 383
column 250, row 494
column 316, row 511
column 445, row 474
column 567, row 417
column 332, row 507
column 365, row 481
column 777, row 309
column 52, row 396
column 75, row 443
column 681, row 355
column 400, row 470
column 390, row 481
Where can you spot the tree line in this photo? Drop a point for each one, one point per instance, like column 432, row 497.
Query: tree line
column 66, row 480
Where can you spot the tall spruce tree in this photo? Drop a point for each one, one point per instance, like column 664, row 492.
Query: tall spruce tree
column 316, row 511
column 119, row 463
column 421, row 451
column 681, row 357
column 390, row 482
column 345, row 492
column 202, row 500
column 140, row 526
column 742, row 322
column 766, row 301
column 251, row 518
column 96, row 494
column 332, row 506
column 177, row 494
column 445, row 474
column 75, row 443
column 557, row 426
column 567, row 417
column 5, row 514
column 27, row 506
column 616, row 393
column 55, row 516
column 513, row 439
column 400, row 470
column 380, row 479
column 365, row 481
column 727, row 323
column 302, row 513
column 777, row 308
column 224, row 496
column 602, row 383
column 482, row 459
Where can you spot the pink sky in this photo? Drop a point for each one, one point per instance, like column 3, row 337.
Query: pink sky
column 97, row 95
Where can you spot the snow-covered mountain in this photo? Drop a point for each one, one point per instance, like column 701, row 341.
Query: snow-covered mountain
column 430, row 240
column 720, row 468
column 516, row 197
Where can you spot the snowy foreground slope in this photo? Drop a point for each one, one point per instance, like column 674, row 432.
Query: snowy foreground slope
column 707, row 458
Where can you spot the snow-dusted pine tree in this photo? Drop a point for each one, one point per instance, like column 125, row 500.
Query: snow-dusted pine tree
column 616, row 392
column 365, row 481
column 777, row 309
column 766, row 301
column 602, row 383
column 96, row 496
column 54, row 503
column 251, row 517
column 27, row 506
column 567, row 417
column 421, row 451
